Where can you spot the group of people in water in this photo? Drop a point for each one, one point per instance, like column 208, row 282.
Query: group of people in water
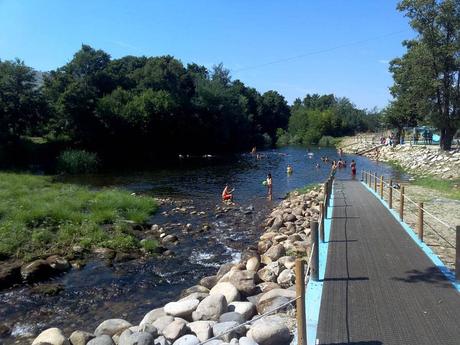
column 227, row 193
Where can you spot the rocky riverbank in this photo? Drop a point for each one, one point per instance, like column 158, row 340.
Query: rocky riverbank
column 262, row 281
column 418, row 159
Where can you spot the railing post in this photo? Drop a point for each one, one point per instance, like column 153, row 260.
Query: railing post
column 381, row 187
column 457, row 254
column 326, row 197
column 321, row 225
column 390, row 195
column 401, row 204
column 365, row 177
column 315, row 254
column 375, row 182
column 300, row 303
column 420, row 221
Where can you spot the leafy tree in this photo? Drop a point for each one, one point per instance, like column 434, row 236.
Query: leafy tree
column 22, row 106
column 427, row 77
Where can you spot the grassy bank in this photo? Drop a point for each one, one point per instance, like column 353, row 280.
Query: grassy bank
column 449, row 188
column 39, row 216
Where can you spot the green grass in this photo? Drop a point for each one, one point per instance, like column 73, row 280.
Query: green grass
column 396, row 166
column 39, row 216
column 450, row 188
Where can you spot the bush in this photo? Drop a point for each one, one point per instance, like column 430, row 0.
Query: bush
column 77, row 162
column 328, row 141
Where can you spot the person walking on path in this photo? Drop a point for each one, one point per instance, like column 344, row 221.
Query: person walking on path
column 353, row 168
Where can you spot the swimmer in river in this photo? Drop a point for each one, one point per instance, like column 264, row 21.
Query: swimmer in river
column 269, row 184
column 227, row 195
column 289, row 169
column 317, row 166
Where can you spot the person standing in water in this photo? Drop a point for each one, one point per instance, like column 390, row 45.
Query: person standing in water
column 269, row 186
column 227, row 194
column 353, row 168
column 289, row 169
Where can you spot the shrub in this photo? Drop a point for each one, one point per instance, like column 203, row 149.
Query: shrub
column 77, row 162
column 328, row 141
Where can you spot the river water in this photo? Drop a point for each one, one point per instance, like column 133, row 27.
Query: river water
column 129, row 290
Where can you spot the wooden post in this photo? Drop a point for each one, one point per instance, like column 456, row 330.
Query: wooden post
column 321, row 226
column 457, row 256
column 325, row 195
column 420, row 221
column 315, row 255
column 381, row 187
column 300, row 302
column 375, row 182
column 401, row 204
column 365, row 176
column 390, row 195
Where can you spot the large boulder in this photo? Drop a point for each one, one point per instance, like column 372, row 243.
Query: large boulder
column 136, row 338
column 246, row 341
column 263, row 246
column 58, row 263
column 183, row 308
column 51, row 336
column 208, row 282
column 188, row 339
column 232, row 316
column 10, row 274
column 247, row 309
column 253, row 264
column 242, row 280
column 269, row 273
column 210, row 308
column 222, row 329
column 269, row 331
column 287, row 261
column 36, row 270
column 152, row 316
column 267, row 286
column 195, row 295
column 286, row 278
column 162, row 322
column 202, row 329
column 101, row 340
column 223, row 269
column 80, row 337
column 275, row 252
column 112, row 327
column 193, row 289
column 228, row 290
column 273, row 299
column 175, row 330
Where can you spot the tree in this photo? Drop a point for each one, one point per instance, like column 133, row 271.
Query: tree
column 21, row 103
column 427, row 77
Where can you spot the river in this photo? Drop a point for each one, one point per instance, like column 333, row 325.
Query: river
column 129, row 290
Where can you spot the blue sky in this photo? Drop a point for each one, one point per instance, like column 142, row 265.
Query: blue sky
column 294, row 47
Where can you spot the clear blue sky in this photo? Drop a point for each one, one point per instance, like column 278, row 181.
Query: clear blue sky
column 335, row 46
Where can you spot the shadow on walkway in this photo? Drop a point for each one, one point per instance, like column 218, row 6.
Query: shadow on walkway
column 431, row 275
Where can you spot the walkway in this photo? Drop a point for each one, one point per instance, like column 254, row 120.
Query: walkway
column 379, row 287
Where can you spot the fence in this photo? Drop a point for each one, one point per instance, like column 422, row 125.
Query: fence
column 415, row 214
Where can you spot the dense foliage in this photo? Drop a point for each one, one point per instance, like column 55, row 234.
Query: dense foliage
column 137, row 107
column 427, row 77
column 143, row 108
column 326, row 116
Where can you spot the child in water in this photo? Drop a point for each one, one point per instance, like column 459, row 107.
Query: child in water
column 227, row 195
column 289, row 169
column 269, row 184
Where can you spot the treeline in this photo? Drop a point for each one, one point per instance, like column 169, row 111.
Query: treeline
column 136, row 107
column 317, row 119
column 426, row 86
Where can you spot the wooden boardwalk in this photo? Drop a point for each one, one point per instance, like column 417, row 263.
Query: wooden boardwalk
column 379, row 287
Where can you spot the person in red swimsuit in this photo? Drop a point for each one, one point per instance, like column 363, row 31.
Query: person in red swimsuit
column 353, row 168
column 227, row 194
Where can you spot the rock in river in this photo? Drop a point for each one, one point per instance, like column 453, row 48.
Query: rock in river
column 269, row 331
column 211, row 308
column 80, row 337
column 36, row 270
column 228, row 290
column 183, row 308
column 112, row 327
column 51, row 336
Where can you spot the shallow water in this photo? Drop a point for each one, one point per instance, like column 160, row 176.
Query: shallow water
column 129, row 290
